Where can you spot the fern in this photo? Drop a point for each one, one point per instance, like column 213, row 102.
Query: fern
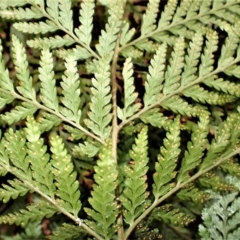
column 119, row 117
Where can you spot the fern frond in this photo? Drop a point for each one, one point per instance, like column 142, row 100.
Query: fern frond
column 224, row 86
column 36, row 28
column 221, row 218
column 65, row 177
column 199, row 94
column 86, row 20
column 167, row 14
column 191, row 60
column 5, row 98
column 126, row 34
column 22, row 71
column 178, row 105
column 89, row 149
column 132, row 52
column 130, row 107
column 13, row 190
column 167, row 161
column 231, row 167
column 48, row 121
column 5, row 81
column 134, row 192
column 52, row 8
column 12, row 3
column 46, row 76
column 13, row 141
column 206, row 65
column 156, row 118
column 71, row 91
column 19, row 112
column 191, row 193
column 155, row 78
column 171, row 215
column 222, row 140
column 100, row 107
column 51, row 42
column 65, row 14
column 20, row 13
column 149, row 18
column 172, row 75
column 34, row 212
column 107, row 40
column 39, row 159
column 79, row 53
column 75, row 134
column 228, row 49
column 105, row 211
column 195, row 149
column 212, row 181
column 66, row 232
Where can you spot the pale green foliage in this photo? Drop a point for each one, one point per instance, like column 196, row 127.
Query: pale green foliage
column 105, row 211
column 130, row 107
column 221, row 216
column 134, row 193
column 136, row 114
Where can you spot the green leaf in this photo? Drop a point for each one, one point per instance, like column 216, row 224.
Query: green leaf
column 104, row 209
column 14, row 189
column 34, row 212
column 48, row 121
column 65, row 176
column 50, row 42
column 12, row 3
column 79, row 53
column 46, row 76
column 155, row 78
column 107, row 40
column 66, row 15
column 199, row 94
column 173, row 73
column 5, row 81
column 71, row 91
column 156, row 118
column 167, row 161
column 222, row 141
column 206, row 65
column 66, row 232
column 22, row 71
column 130, row 107
column 35, row 28
column 191, row 60
column 126, row 34
column 12, row 142
column 134, row 190
column 195, row 150
column 191, row 193
column 20, row 13
column 39, row 159
column 86, row 20
column 149, row 18
column 171, row 215
column 100, row 107
column 20, row 112
column 221, row 218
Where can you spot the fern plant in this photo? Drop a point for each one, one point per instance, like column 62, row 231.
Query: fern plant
column 116, row 133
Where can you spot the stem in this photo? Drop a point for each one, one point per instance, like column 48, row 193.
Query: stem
column 176, row 92
column 115, row 128
column 177, row 188
column 40, row 106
